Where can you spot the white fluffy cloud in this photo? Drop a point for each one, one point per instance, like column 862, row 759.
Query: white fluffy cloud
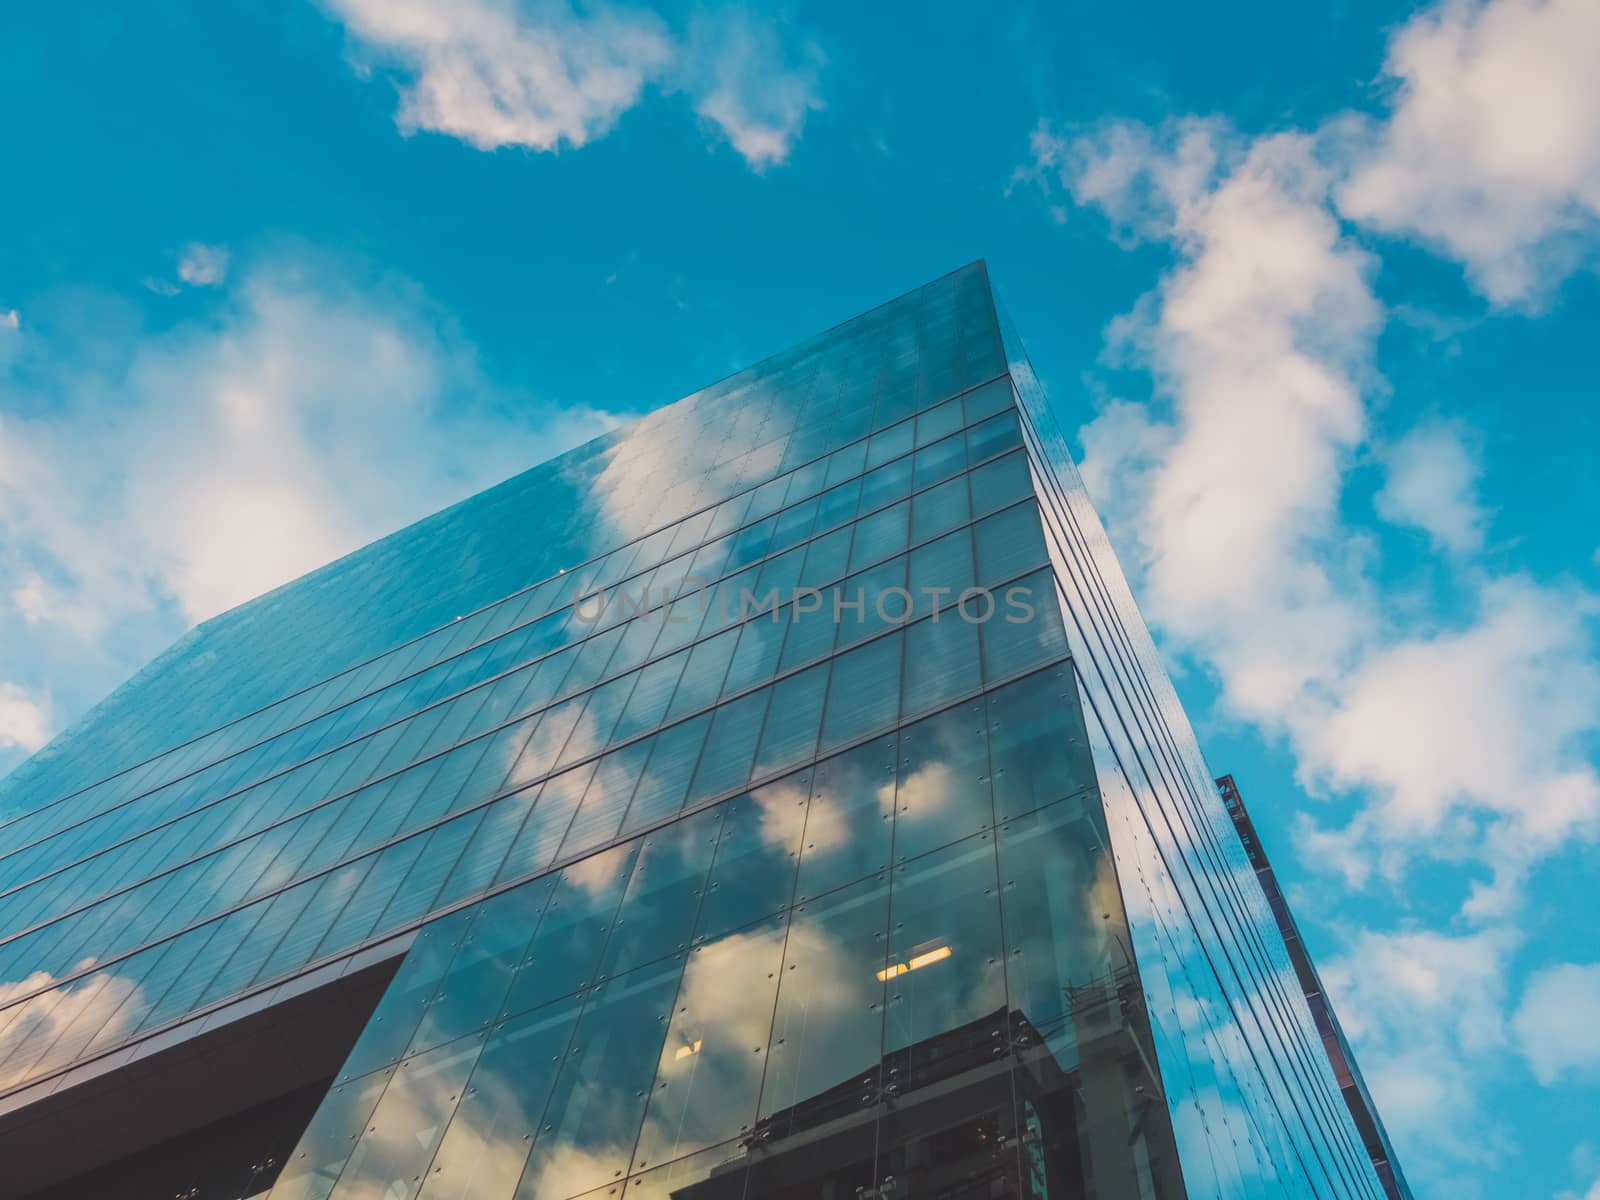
column 201, row 265
column 1425, row 1008
column 546, row 74
column 240, row 452
column 744, row 82
column 1491, row 153
column 497, row 74
column 1431, row 485
column 1260, row 337
column 1464, row 734
column 1490, row 720
column 99, row 1002
column 24, row 721
column 1465, row 737
column 1556, row 1023
column 301, row 418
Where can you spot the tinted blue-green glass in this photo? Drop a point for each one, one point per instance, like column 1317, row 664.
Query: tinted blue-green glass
column 736, row 774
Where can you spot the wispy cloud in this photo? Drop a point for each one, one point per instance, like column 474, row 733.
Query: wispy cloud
column 1459, row 729
column 10, row 335
column 302, row 416
column 1427, row 1009
column 746, row 83
column 1465, row 735
column 549, row 75
column 1491, row 152
column 1555, row 1023
column 24, row 721
column 201, row 265
column 1431, row 485
column 493, row 73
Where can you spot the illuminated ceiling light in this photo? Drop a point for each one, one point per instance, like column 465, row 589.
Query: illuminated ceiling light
column 926, row 959
column 931, row 957
column 685, row 1051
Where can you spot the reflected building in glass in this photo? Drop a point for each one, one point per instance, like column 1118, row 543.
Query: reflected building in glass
column 779, row 796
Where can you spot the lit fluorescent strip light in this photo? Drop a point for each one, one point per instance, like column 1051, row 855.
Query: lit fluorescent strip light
column 916, row 964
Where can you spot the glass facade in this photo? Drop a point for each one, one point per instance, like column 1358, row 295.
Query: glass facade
column 776, row 797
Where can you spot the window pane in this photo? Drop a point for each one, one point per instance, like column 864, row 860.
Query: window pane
column 886, row 485
column 490, row 838
column 938, row 509
column 565, row 949
column 473, row 988
column 863, row 693
column 846, row 463
column 592, row 1121
column 790, row 736
column 809, row 630
column 405, row 1129
column 829, row 1023
column 605, row 800
column 1025, row 628
column 794, row 524
column 997, row 484
column 677, row 1180
column 879, row 536
column 436, row 863
column 1036, row 746
column 757, row 656
column 730, row 748
column 827, row 558
column 889, row 443
column 709, row 1075
column 882, row 597
column 987, row 400
column 702, row 677
column 1069, row 971
column 658, row 910
column 940, row 461
column 549, row 736
column 325, row 1146
column 1009, row 543
column 665, row 781
column 592, row 732
column 838, row 505
column 941, row 571
column 941, row 662
column 994, row 436
column 484, row 1148
column 752, row 873
column 939, row 421
column 944, row 962
column 851, row 819
column 546, row 825
column 388, row 1032
column 942, row 792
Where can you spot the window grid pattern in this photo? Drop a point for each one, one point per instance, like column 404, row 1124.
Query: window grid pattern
column 778, row 415
column 716, row 572
column 746, row 527
column 1002, row 545
column 837, row 953
column 939, row 501
column 709, row 900
column 1252, row 1100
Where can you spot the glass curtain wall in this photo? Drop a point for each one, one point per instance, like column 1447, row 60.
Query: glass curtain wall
column 898, row 970
column 783, row 793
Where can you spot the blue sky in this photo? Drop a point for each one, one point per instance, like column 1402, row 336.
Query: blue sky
column 1316, row 289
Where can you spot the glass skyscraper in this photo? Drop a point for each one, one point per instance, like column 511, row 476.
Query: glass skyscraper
column 779, row 796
